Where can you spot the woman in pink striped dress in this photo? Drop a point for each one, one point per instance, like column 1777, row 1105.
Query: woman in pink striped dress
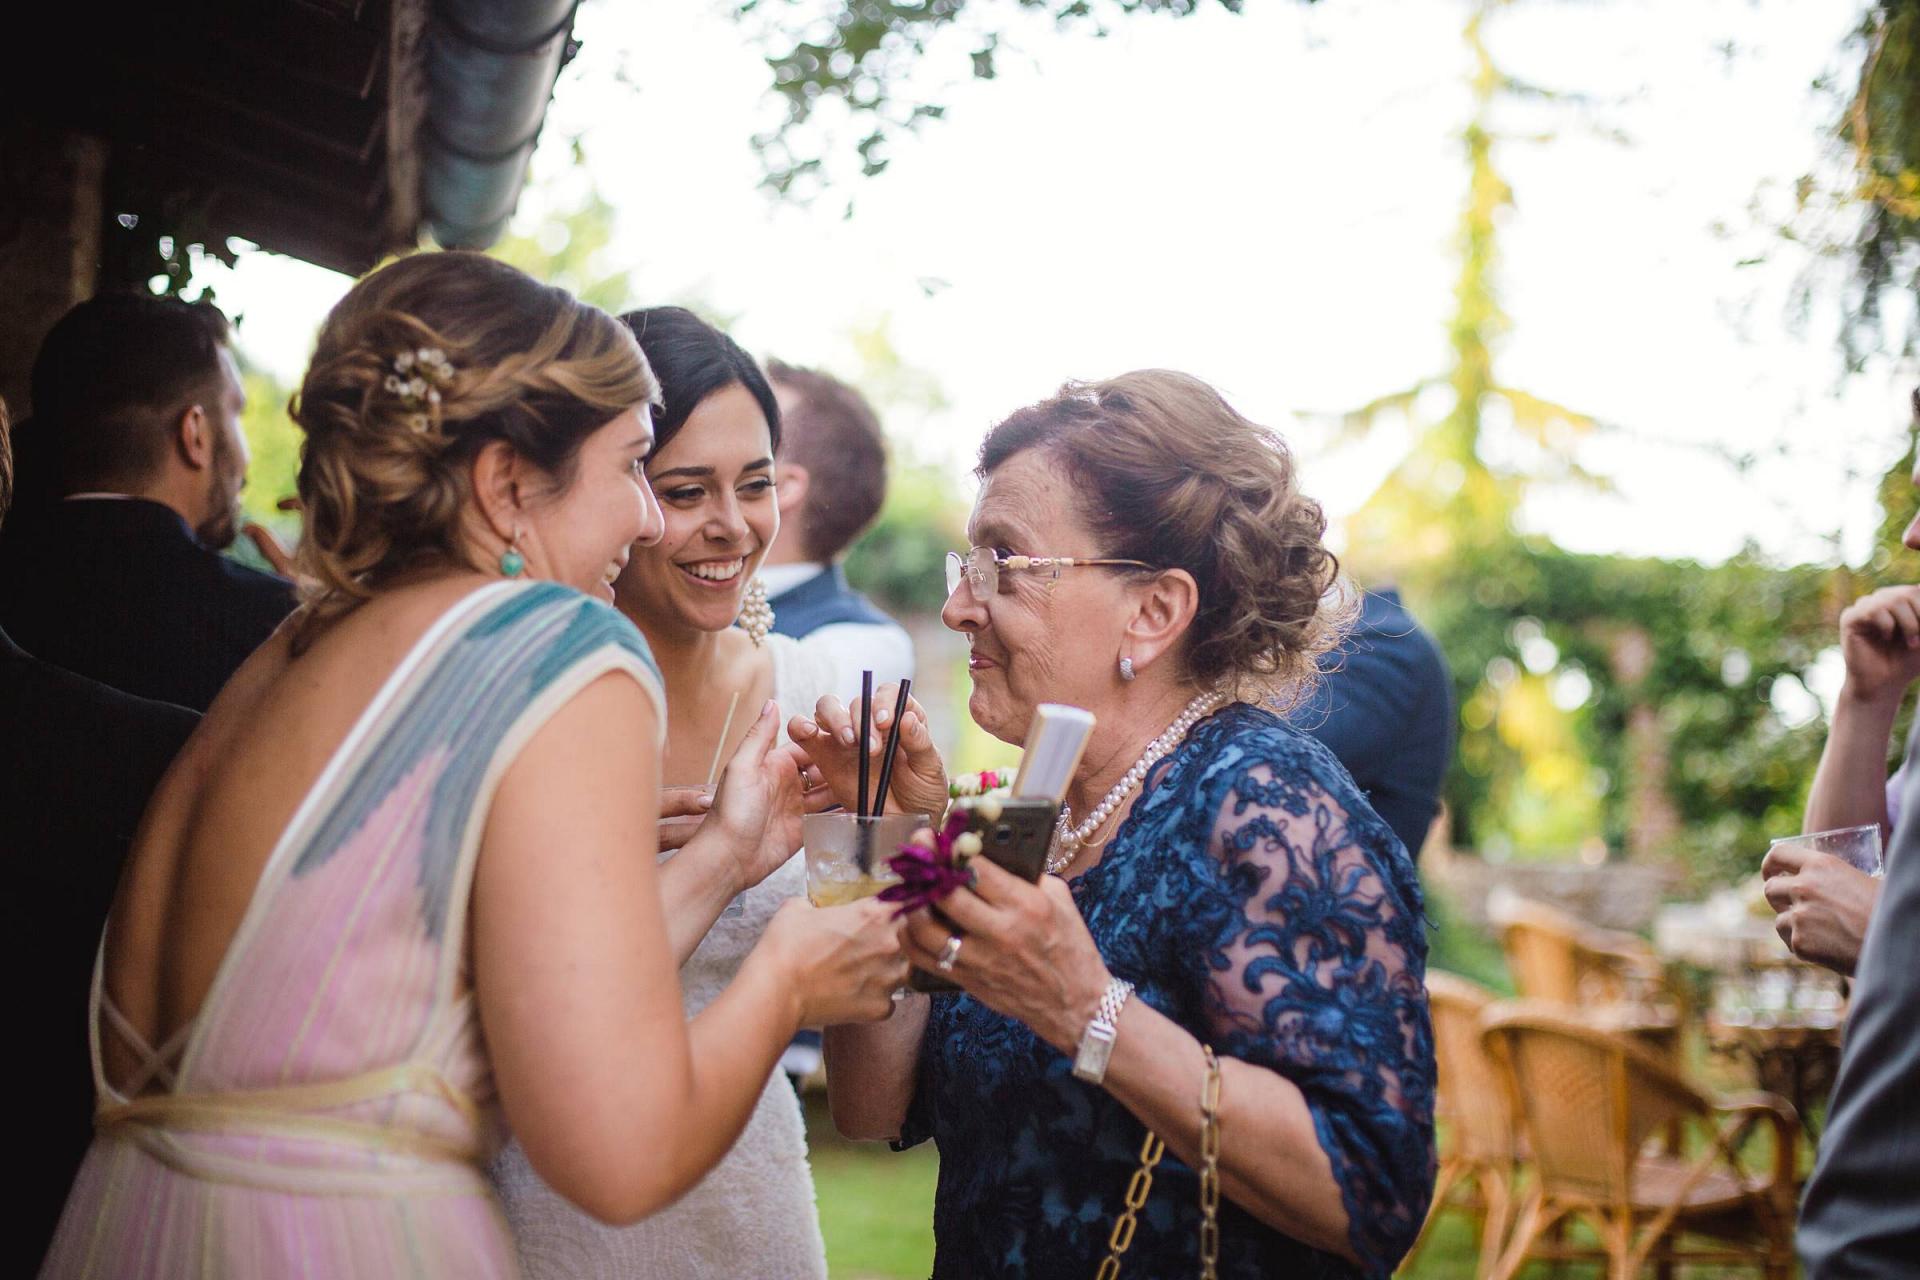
column 400, row 886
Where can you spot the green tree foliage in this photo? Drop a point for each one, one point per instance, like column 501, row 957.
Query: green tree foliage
column 1879, row 128
column 1720, row 637
column 1535, row 635
column 859, row 54
column 1444, row 497
column 1441, row 525
column 274, row 441
column 568, row 240
column 900, row 561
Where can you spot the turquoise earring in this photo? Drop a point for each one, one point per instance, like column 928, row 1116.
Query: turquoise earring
column 512, row 563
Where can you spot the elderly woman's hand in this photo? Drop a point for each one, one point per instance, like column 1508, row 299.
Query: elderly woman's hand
column 1024, row 952
column 829, row 741
column 1824, row 905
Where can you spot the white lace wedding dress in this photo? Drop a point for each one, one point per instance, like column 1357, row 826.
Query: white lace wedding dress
column 753, row 1215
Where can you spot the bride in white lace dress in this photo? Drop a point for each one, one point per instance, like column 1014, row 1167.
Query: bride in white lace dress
column 754, row 1215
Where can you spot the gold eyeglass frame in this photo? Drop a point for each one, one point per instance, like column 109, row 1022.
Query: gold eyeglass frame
column 981, row 568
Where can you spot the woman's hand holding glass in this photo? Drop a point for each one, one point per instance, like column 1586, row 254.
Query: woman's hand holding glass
column 1024, row 951
column 826, row 744
column 842, row 963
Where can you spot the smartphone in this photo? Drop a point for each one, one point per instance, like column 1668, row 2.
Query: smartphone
column 1018, row 840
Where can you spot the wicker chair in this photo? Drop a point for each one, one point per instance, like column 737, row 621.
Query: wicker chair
column 1478, row 1156
column 1588, row 1102
column 1556, row 956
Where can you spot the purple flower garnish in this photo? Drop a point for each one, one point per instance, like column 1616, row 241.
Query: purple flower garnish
column 928, row 875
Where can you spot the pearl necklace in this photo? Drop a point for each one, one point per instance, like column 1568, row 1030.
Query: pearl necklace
column 1068, row 839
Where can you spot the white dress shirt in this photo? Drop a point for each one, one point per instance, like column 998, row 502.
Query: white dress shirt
column 851, row 647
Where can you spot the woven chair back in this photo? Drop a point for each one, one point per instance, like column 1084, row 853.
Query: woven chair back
column 1471, row 1097
column 1587, row 1099
column 1556, row 956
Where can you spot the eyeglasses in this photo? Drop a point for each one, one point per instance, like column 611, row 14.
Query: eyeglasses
column 982, row 568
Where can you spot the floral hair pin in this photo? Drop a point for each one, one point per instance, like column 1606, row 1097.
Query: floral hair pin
column 417, row 379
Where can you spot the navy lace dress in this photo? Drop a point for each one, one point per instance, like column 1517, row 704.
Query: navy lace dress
column 1255, row 899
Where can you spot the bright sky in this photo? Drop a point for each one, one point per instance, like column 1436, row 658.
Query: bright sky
column 1268, row 201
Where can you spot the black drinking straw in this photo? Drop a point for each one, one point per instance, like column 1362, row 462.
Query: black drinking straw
column 863, row 842
column 893, row 745
column 866, row 735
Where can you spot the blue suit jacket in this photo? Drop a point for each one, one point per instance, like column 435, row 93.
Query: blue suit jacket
column 1386, row 710
column 823, row 601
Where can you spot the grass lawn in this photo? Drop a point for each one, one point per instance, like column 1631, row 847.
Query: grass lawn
column 876, row 1205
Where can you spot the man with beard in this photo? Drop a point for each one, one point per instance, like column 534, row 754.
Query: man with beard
column 68, row 809
column 137, row 404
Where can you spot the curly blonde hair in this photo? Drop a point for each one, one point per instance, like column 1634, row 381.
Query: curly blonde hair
column 1168, row 473
column 386, row 465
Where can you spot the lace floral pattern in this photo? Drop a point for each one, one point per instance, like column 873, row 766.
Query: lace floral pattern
column 1254, row 898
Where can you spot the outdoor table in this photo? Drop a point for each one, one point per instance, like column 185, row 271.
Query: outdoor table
column 1795, row 1055
column 1656, row 1027
column 1771, row 1014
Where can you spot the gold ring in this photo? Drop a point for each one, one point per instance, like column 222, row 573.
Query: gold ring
column 948, row 954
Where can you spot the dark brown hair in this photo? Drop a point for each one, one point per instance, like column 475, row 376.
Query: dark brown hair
column 693, row 360
column 113, row 376
column 384, row 477
column 833, row 432
column 1168, row 473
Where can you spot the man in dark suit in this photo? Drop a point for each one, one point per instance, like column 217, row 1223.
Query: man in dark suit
column 832, row 474
column 1386, row 710
column 1860, row 1219
column 77, row 763
column 137, row 404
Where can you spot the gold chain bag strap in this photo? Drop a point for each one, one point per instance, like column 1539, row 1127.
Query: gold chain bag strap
column 1120, row 1239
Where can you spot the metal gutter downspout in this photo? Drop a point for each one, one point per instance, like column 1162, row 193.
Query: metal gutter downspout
column 491, row 66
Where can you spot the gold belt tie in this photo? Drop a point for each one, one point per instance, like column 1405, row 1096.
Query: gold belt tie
column 154, row 1122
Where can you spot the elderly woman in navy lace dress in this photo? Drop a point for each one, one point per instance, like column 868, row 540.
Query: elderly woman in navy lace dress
column 1222, row 889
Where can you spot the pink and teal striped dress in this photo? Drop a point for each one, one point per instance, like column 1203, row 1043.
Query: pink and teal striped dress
column 329, row 1111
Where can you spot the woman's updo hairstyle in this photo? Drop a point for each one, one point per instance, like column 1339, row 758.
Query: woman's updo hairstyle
column 1167, row 473
column 419, row 367
column 693, row 359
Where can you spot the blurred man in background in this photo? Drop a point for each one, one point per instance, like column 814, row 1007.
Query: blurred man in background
column 117, row 575
column 1385, row 709
column 78, row 762
column 832, row 473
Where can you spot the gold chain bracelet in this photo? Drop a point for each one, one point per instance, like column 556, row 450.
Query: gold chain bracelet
column 1120, row 1239
column 1138, row 1186
column 1210, row 1168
